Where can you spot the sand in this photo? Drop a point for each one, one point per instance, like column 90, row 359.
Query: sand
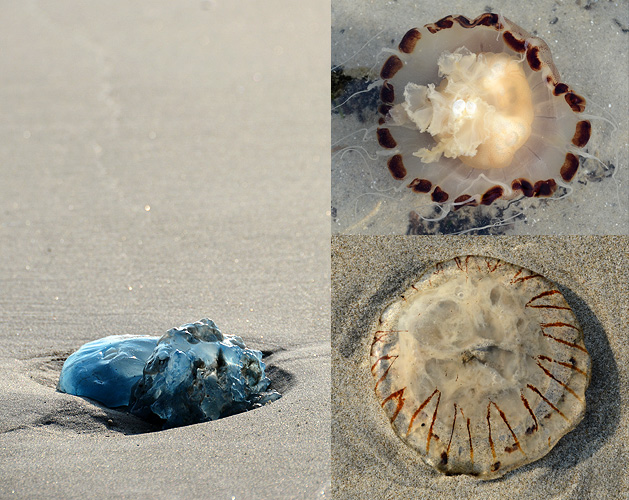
column 590, row 46
column 161, row 163
column 370, row 461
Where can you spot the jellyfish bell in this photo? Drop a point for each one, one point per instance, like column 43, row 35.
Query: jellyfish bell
column 473, row 111
column 480, row 366
column 464, row 126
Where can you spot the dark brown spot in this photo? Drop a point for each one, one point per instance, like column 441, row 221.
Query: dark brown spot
column 491, row 195
column 551, row 80
column 513, row 42
column 582, row 133
column 461, row 201
column 445, row 23
column 511, row 449
column 385, row 139
column 396, row 167
column 560, row 88
column 439, row 195
column 545, row 188
column 576, row 102
column 495, row 467
column 391, row 66
column 523, row 185
column 569, row 167
column 487, row 19
column 532, row 56
column 531, row 430
column 409, row 41
column 444, row 458
column 381, row 121
column 383, row 109
column 421, row 185
column 387, row 93
column 464, row 22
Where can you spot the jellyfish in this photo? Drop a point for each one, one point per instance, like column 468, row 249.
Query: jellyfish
column 491, row 119
column 475, row 111
column 480, row 366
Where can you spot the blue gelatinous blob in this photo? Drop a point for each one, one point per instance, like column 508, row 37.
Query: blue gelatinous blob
column 197, row 374
column 106, row 369
column 192, row 374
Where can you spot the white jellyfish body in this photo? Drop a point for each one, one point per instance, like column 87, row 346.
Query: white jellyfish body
column 474, row 111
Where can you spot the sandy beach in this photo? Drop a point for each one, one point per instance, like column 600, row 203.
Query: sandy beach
column 370, row 461
column 161, row 163
column 589, row 42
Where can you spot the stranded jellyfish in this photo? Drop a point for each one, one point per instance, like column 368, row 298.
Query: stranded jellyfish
column 480, row 366
column 474, row 111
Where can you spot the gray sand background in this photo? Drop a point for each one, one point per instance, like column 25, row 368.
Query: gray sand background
column 161, row 162
column 370, row 461
column 589, row 41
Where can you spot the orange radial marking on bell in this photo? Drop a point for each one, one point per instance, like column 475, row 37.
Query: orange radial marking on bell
column 571, row 344
column 536, row 390
column 504, row 418
column 572, row 366
column 545, row 306
column 421, row 407
column 398, row 395
column 519, row 279
column 373, row 367
column 491, row 441
column 434, row 416
column 469, row 436
column 557, row 324
column 564, row 385
column 452, row 432
column 386, row 372
column 528, row 407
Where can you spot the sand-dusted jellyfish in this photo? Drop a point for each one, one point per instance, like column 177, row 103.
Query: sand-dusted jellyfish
column 474, row 111
column 480, row 366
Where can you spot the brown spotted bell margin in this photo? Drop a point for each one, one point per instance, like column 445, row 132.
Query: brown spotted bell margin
column 547, row 160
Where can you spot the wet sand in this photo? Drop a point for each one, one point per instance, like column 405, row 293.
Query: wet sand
column 157, row 167
column 370, row 461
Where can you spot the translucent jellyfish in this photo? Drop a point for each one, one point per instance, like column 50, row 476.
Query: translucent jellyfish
column 106, row 369
column 480, row 366
column 191, row 374
column 474, row 111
